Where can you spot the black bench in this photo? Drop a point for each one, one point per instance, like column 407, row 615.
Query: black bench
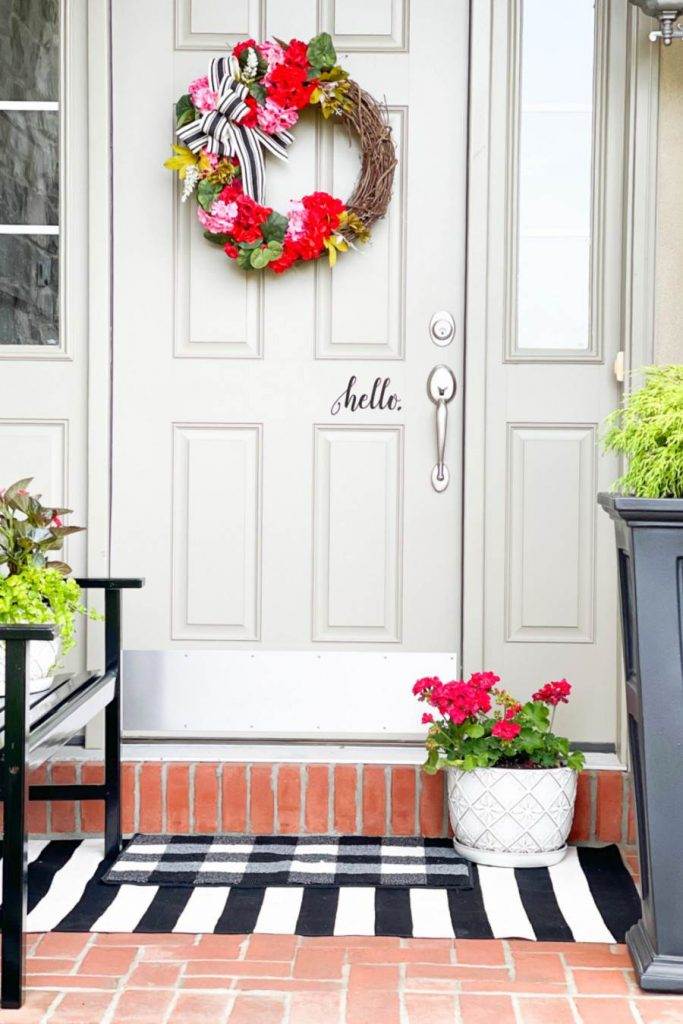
column 32, row 727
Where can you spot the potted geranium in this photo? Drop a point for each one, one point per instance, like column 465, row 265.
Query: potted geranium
column 648, row 520
column 32, row 587
column 511, row 781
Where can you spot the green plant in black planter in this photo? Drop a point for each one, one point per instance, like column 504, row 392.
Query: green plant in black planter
column 648, row 519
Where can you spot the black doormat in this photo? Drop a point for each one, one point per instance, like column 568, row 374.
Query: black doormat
column 588, row 897
column 262, row 861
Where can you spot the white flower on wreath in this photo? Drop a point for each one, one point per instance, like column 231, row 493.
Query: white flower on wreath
column 190, row 180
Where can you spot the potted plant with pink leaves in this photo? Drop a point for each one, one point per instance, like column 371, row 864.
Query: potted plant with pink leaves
column 511, row 780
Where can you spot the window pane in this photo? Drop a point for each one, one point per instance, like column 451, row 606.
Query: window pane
column 29, row 167
column 29, row 290
column 29, row 49
column 555, row 170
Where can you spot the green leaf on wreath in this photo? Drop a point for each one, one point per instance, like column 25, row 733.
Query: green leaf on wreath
column 244, row 258
column 275, row 227
column 207, row 192
column 184, row 110
column 321, row 52
column 216, row 239
column 259, row 259
column 257, row 91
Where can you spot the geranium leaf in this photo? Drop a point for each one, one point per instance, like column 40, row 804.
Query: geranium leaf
column 216, row 239
column 321, row 52
column 206, row 193
column 183, row 105
column 275, row 227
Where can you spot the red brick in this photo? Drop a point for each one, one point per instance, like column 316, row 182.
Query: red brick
column 424, row 1008
column 319, row 963
column 432, row 804
column 255, row 1010
column 581, row 826
column 660, row 1011
column 374, row 800
column 112, row 962
column 289, row 799
column 604, row 1011
column 366, row 976
column 178, row 798
column 62, row 944
column 37, row 810
column 482, row 952
column 403, row 801
column 151, row 810
column 234, row 798
column 364, row 1006
column 140, row 1006
column 63, row 811
column 128, row 823
column 81, row 1008
column 317, row 804
column 631, row 824
column 484, row 1009
column 271, row 947
column 261, row 806
column 314, row 1007
column 600, row 982
column 609, row 807
column 205, row 798
column 92, row 811
column 154, row 976
column 543, row 1011
column 538, row 967
column 345, row 798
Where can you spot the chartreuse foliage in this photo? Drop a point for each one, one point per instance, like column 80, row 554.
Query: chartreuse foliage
column 34, row 588
column 648, row 430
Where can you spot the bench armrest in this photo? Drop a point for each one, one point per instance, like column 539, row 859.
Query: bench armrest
column 28, row 631
column 110, row 583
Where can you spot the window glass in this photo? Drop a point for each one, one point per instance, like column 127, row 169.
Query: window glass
column 555, row 172
column 29, row 172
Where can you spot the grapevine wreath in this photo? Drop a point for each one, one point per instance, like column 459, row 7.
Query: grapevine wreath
column 245, row 107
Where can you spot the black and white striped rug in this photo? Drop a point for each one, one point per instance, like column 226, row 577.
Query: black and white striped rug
column 262, row 861
column 588, row 897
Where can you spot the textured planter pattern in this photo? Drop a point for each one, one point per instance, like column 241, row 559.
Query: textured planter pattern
column 512, row 810
column 42, row 657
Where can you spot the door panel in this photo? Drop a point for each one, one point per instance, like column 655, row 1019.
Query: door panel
column 287, row 513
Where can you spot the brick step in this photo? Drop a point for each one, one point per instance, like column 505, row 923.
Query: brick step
column 363, row 799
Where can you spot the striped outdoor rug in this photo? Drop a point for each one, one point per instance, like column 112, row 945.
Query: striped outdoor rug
column 588, row 897
column 262, row 861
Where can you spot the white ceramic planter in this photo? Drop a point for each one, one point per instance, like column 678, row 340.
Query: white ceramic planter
column 511, row 817
column 43, row 655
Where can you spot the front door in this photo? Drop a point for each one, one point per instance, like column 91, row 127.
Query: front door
column 269, row 507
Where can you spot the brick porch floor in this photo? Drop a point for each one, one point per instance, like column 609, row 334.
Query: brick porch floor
column 190, row 979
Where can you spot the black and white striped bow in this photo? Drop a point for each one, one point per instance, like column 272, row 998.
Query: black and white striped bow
column 221, row 131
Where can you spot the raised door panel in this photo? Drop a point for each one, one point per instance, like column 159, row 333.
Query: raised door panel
column 210, row 24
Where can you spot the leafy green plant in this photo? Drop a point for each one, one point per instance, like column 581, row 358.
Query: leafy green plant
column 43, row 595
column 29, row 530
column 482, row 726
column 648, row 430
column 34, row 588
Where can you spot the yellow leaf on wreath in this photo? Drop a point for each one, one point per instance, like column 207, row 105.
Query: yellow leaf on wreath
column 315, row 96
column 183, row 159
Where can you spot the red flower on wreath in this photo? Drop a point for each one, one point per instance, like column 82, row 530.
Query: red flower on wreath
column 250, row 215
column 246, row 44
column 504, row 730
column 250, row 118
column 288, row 86
column 296, row 54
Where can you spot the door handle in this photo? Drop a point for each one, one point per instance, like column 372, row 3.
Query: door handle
column 441, row 387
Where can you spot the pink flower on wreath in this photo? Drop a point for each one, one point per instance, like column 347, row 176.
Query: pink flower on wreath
column 271, row 117
column 504, row 730
column 554, row 693
column 221, row 218
column 56, row 521
column 203, row 98
column 296, row 221
column 273, row 54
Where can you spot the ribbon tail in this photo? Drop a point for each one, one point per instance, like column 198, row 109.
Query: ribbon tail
column 275, row 144
column 248, row 151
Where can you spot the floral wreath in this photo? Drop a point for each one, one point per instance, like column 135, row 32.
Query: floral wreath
column 246, row 105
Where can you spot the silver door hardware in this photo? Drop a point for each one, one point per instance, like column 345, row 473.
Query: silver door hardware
column 619, row 367
column 442, row 328
column 441, row 387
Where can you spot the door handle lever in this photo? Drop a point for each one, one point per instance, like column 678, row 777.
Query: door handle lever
column 441, row 388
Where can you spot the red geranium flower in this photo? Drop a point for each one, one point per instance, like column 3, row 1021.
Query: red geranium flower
column 231, row 250
column 297, row 54
column 506, row 730
column 427, row 718
column 249, row 119
column 284, row 262
column 239, row 48
column 484, row 680
column 288, row 86
column 556, row 692
column 513, row 710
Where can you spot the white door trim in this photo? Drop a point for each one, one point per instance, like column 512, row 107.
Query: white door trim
column 485, row 295
column 99, row 322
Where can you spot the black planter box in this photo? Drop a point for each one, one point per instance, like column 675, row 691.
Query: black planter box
column 649, row 534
